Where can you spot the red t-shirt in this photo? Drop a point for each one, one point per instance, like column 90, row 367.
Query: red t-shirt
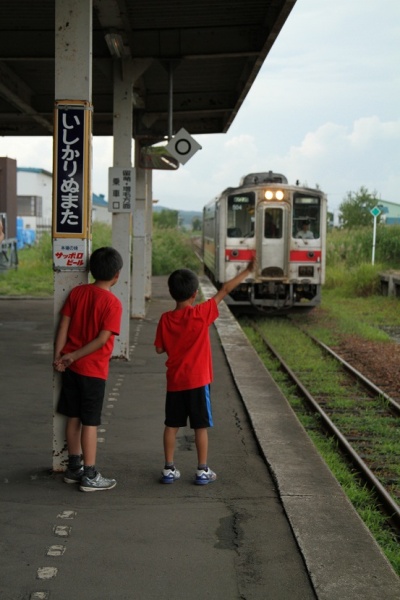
column 91, row 310
column 184, row 335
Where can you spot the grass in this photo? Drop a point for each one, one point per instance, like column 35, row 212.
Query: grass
column 34, row 275
column 373, row 311
column 361, row 316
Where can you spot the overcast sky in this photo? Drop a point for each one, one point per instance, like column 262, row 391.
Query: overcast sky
column 324, row 109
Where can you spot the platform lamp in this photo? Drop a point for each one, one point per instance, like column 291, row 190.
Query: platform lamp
column 115, row 45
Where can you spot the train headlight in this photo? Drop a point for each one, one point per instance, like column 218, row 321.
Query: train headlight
column 270, row 195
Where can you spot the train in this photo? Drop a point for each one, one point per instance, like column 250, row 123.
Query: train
column 281, row 227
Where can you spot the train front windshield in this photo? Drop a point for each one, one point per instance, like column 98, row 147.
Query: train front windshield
column 241, row 215
column 306, row 216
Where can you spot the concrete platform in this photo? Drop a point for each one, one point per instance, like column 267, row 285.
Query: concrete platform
column 275, row 525
column 390, row 283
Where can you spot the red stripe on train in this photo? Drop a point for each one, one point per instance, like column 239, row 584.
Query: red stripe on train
column 305, row 256
column 295, row 255
column 243, row 255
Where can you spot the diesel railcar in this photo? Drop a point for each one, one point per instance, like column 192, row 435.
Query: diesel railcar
column 282, row 227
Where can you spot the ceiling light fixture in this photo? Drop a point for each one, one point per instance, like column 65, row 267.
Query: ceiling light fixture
column 115, row 45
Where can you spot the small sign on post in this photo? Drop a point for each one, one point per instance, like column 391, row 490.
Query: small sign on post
column 121, row 189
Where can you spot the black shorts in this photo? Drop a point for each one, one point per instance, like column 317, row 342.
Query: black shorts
column 81, row 397
column 195, row 404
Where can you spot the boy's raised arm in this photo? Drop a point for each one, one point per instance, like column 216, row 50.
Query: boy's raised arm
column 230, row 285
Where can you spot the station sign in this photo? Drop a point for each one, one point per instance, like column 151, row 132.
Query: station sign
column 72, row 203
column 182, row 146
column 71, row 169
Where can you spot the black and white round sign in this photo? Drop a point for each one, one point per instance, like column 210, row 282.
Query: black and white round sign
column 182, row 146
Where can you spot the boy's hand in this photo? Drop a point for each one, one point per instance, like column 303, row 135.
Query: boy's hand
column 59, row 366
column 67, row 360
column 251, row 265
column 64, row 361
column 228, row 286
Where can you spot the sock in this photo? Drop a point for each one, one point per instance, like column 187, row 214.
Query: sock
column 169, row 465
column 74, row 462
column 202, row 468
column 90, row 471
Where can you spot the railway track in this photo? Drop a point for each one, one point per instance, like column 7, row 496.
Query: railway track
column 362, row 418
column 196, row 247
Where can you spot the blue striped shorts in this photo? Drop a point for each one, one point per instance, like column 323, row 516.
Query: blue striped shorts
column 194, row 404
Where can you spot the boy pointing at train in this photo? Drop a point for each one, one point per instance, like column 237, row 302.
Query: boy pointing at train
column 183, row 334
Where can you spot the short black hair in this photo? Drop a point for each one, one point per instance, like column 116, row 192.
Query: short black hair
column 182, row 284
column 105, row 263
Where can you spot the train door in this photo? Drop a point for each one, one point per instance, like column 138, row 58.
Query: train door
column 272, row 223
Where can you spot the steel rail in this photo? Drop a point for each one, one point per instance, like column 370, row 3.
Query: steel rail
column 389, row 504
column 367, row 383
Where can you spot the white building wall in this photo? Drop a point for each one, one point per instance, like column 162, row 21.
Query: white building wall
column 37, row 183
column 101, row 214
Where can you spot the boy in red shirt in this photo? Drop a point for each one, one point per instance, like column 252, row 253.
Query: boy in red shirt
column 183, row 334
column 90, row 318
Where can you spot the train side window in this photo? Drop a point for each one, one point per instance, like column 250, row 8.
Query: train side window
column 306, row 216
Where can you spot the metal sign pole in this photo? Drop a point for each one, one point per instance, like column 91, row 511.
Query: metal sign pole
column 373, row 242
column 375, row 212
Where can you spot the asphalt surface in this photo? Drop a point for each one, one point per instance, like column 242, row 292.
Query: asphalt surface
column 275, row 525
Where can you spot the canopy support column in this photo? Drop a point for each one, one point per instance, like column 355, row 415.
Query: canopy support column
column 73, row 82
column 122, row 222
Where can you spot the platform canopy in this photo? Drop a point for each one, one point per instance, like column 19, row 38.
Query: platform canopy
column 208, row 53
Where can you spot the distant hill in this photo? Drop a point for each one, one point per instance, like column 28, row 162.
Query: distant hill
column 185, row 216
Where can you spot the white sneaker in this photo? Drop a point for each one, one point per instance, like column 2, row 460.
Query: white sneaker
column 203, row 477
column 97, row 484
column 169, row 475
